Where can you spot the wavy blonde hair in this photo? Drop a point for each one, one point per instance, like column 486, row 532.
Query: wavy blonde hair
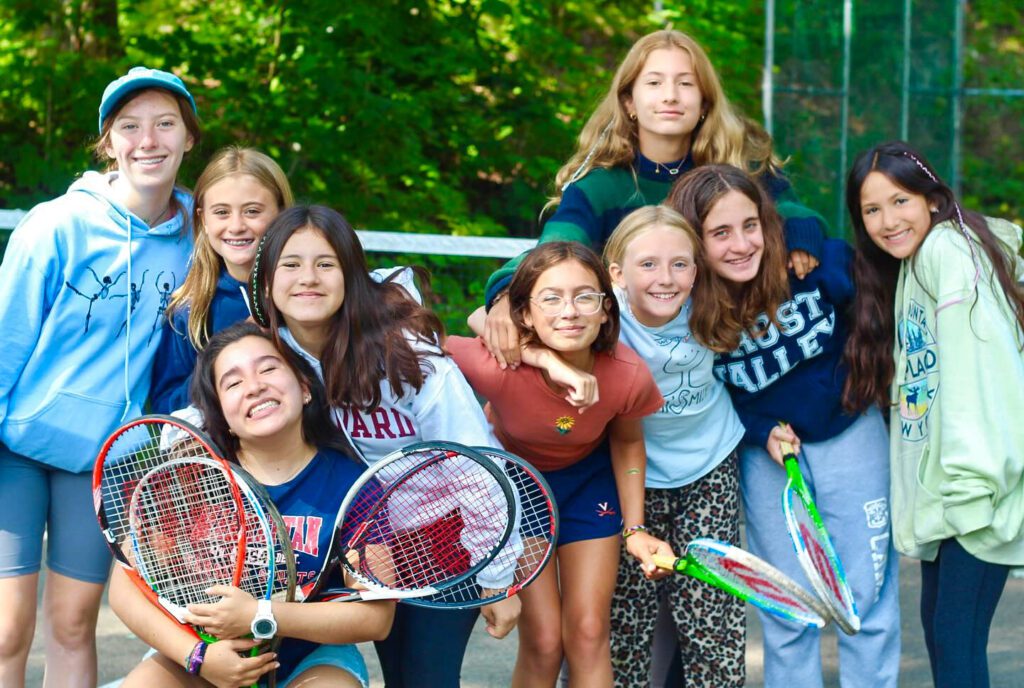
column 610, row 138
column 205, row 266
column 642, row 219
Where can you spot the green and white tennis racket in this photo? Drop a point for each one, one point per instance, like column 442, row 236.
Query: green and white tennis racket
column 749, row 578
column 814, row 549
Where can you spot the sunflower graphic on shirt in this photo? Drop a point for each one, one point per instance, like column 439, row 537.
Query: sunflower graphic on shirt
column 564, row 424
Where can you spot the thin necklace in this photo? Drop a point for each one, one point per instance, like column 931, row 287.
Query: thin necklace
column 673, row 168
column 247, row 463
column 163, row 214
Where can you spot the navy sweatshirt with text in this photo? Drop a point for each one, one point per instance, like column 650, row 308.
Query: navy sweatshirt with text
column 794, row 371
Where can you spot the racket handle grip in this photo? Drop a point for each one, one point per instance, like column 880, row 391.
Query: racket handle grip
column 786, row 447
column 668, row 563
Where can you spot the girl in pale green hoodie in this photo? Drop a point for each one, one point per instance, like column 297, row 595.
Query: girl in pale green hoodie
column 938, row 338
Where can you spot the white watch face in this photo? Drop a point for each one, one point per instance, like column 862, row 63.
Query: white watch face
column 264, row 628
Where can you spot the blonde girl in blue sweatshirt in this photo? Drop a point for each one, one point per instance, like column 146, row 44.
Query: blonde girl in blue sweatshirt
column 236, row 197
column 84, row 286
column 938, row 340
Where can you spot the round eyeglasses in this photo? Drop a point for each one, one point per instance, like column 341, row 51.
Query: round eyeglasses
column 585, row 304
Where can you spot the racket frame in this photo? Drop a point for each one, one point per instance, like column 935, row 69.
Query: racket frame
column 338, row 550
column 842, row 608
column 814, row 614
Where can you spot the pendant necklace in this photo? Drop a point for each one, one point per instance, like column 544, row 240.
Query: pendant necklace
column 672, row 168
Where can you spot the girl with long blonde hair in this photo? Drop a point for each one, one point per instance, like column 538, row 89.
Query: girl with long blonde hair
column 665, row 113
column 236, row 197
column 692, row 480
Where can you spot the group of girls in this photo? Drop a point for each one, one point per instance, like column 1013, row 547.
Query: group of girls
column 654, row 382
column 772, row 342
column 821, row 337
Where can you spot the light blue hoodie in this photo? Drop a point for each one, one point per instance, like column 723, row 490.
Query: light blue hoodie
column 81, row 315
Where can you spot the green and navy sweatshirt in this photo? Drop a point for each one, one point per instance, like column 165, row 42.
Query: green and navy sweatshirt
column 593, row 206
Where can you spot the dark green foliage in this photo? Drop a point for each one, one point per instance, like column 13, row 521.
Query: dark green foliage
column 452, row 116
column 447, row 116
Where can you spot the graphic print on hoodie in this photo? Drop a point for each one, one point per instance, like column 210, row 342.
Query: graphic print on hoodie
column 87, row 285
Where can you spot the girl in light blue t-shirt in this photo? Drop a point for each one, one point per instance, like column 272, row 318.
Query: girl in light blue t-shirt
column 692, row 477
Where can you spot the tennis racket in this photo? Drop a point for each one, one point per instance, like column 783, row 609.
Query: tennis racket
column 193, row 525
column 529, row 548
column 418, row 522
column 749, row 578
column 127, row 456
column 131, row 454
column 814, row 548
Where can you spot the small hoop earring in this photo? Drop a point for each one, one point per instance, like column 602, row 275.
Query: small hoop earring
column 632, row 116
column 306, row 399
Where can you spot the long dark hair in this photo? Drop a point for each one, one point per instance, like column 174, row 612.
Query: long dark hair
column 722, row 311
column 870, row 344
column 368, row 339
column 548, row 255
column 318, row 428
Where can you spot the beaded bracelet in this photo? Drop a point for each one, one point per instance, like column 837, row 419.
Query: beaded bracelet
column 626, row 532
column 195, row 658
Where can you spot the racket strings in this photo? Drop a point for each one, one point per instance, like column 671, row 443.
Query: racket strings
column 816, row 548
column 134, row 453
column 187, row 529
column 537, row 525
column 752, row 580
column 527, row 551
column 430, row 525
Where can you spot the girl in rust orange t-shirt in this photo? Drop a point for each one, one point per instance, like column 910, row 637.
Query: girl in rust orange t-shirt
column 591, row 450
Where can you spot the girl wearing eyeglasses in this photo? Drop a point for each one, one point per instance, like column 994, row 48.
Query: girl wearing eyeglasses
column 590, row 449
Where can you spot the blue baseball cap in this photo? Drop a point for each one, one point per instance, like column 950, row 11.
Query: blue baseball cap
column 136, row 79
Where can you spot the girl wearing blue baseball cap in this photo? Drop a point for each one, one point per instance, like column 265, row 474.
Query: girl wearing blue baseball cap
column 86, row 281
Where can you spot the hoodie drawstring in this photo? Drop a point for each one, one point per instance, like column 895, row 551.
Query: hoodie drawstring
column 128, row 327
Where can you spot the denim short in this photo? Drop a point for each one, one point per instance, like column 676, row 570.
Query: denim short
column 345, row 657
column 37, row 498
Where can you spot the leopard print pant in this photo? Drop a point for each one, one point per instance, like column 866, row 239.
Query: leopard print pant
column 711, row 624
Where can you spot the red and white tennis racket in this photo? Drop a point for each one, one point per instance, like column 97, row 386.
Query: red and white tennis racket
column 418, row 522
column 179, row 518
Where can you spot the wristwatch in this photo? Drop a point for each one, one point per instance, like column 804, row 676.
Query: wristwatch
column 264, row 625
